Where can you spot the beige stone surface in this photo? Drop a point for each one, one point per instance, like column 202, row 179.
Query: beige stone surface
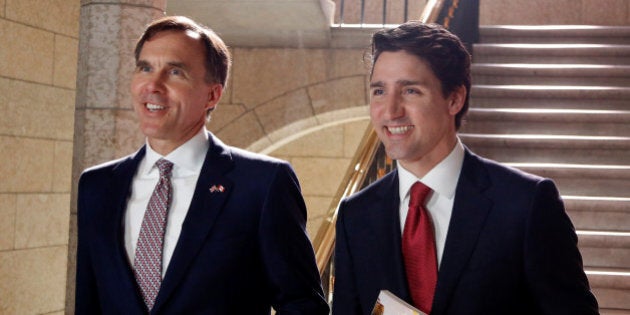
column 292, row 131
column 260, row 75
column 2, row 6
column 344, row 115
column 32, row 171
column 312, row 226
column 531, row 12
column 318, row 206
column 8, row 207
column 353, row 134
column 127, row 134
column 347, row 62
column 284, row 110
column 42, row 220
column 158, row 4
column 337, row 94
column 33, row 281
column 328, row 142
column 223, row 115
column 243, row 131
column 600, row 12
column 99, row 131
column 62, row 170
column 260, row 145
column 59, row 16
column 227, row 91
column 320, row 176
column 65, row 61
column 34, row 110
column 27, row 52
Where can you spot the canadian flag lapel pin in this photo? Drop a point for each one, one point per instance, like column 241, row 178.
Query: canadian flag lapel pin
column 217, row 188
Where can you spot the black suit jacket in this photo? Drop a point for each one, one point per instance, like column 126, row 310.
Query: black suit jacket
column 240, row 251
column 510, row 248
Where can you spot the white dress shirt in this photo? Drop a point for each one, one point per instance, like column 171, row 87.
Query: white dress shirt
column 442, row 180
column 187, row 162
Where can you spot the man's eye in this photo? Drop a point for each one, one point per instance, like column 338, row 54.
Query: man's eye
column 176, row 72
column 411, row 91
column 144, row 69
column 377, row 92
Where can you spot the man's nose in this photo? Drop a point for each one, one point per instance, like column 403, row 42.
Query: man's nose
column 155, row 83
column 393, row 106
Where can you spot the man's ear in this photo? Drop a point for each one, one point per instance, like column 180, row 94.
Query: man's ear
column 214, row 95
column 457, row 100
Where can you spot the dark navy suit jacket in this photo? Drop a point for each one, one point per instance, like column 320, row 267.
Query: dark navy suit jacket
column 240, row 251
column 510, row 248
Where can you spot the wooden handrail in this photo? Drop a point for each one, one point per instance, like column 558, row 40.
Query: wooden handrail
column 431, row 11
column 355, row 176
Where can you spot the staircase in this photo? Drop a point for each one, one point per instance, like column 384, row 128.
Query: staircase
column 555, row 101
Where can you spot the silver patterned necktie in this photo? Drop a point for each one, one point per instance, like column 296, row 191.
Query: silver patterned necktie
column 148, row 258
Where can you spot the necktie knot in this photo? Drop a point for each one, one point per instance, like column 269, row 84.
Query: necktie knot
column 165, row 167
column 418, row 195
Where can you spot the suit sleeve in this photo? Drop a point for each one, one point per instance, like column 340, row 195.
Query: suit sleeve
column 86, row 295
column 553, row 263
column 287, row 251
column 345, row 295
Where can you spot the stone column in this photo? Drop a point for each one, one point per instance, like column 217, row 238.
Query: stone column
column 105, row 126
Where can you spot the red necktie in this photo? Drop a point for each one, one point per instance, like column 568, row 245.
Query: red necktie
column 148, row 260
column 418, row 247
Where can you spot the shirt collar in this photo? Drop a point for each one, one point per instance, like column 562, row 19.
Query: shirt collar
column 187, row 158
column 442, row 179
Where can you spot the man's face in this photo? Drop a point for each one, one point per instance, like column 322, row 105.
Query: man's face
column 170, row 93
column 409, row 112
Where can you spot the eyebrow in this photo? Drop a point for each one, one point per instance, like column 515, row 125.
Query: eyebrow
column 399, row 82
column 141, row 63
column 176, row 64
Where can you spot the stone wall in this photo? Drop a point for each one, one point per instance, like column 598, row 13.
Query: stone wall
column 38, row 64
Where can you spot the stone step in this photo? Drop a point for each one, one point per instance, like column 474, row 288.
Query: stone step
column 554, row 34
column 609, row 311
column 598, row 213
column 551, row 74
column 529, row 148
column 552, row 53
column 551, row 92
column 611, row 286
column 547, row 121
column 583, row 179
column 612, row 299
column 607, row 249
column 550, row 97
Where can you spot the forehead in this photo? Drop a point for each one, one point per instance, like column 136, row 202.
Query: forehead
column 174, row 42
column 396, row 64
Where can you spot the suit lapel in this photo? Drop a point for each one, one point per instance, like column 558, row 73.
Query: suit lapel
column 112, row 226
column 385, row 236
column 211, row 192
column 470, row 210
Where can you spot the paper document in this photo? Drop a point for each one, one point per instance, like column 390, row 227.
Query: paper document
column 388, row 303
